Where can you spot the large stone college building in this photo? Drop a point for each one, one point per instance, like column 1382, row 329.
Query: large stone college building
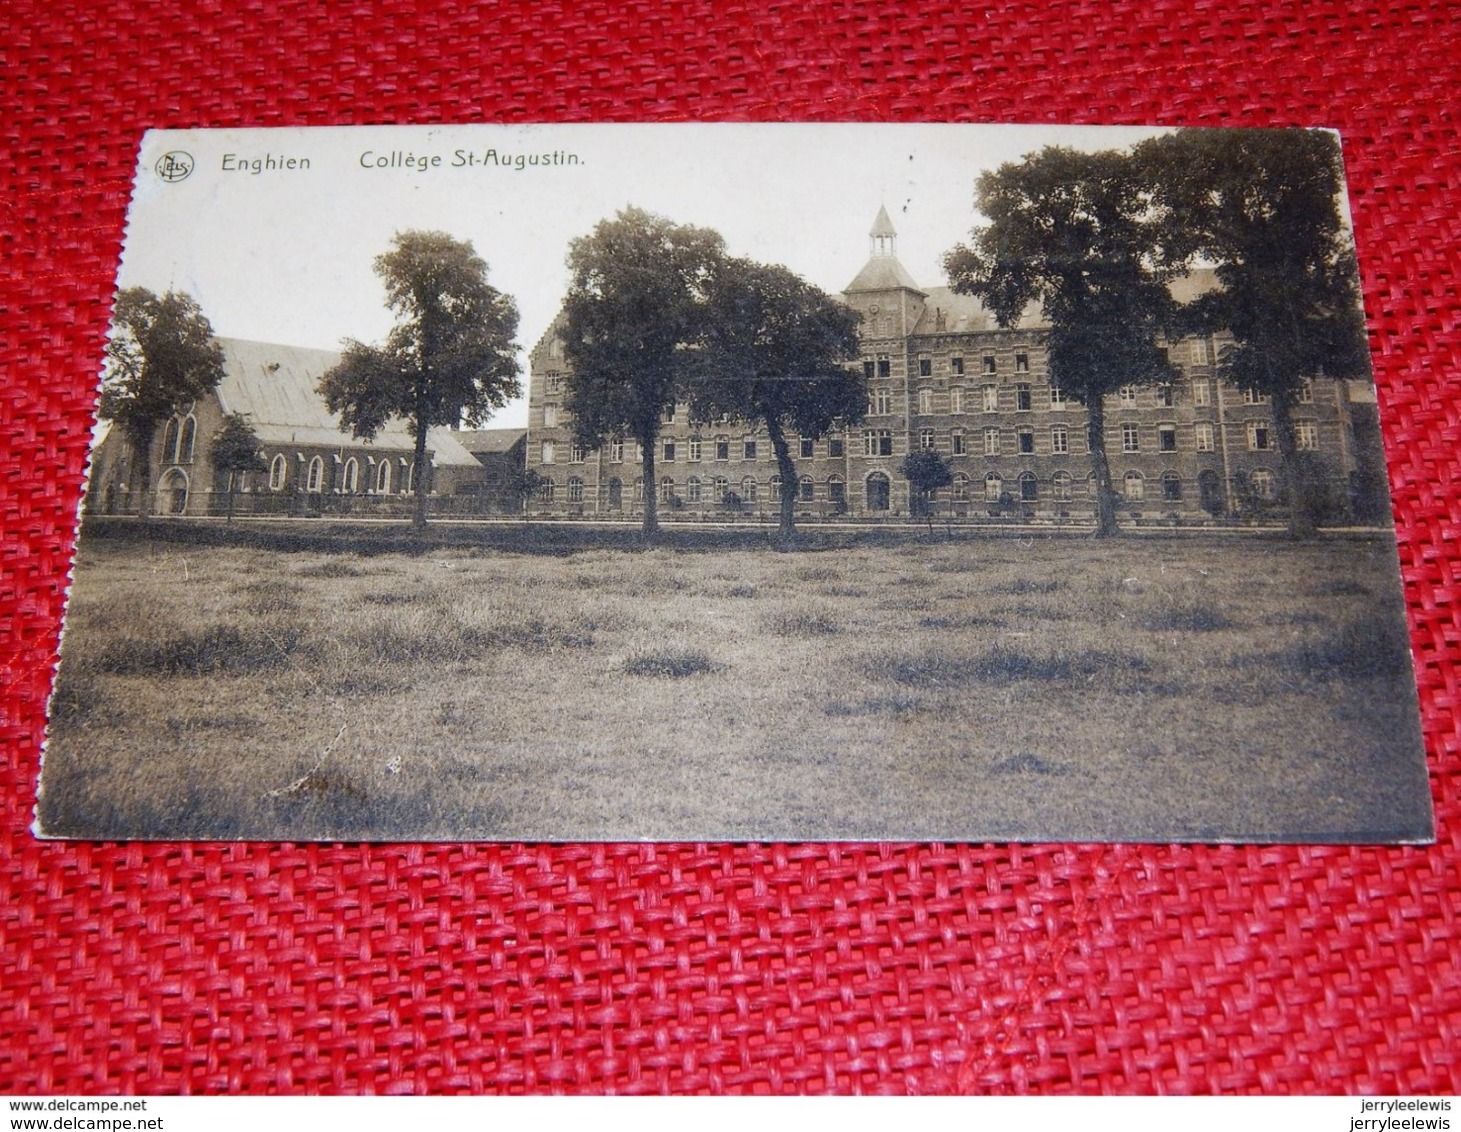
column 942, row 374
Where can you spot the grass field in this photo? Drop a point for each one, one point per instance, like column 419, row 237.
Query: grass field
column 966, row 688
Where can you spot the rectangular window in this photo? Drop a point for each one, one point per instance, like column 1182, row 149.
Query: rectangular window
column 835, row 447
column 1059, row 440
column 692, row 448
column 722, row 449
column 1058, row 398
column 575, row 454
column 885, row 367
column 1022, row 398
column 1166, row 438
column 988, row 363
column 806, row 489
column 925, row 438
column 1306, row 435
column 925, row 366
column 836, row 492
column 958, row 441
column 880, row 402
column 1253, row 397
column 748, row 449
column 991, row 398
column 868, row 368
column 1022, row 363
column 1306, row 392
column 669, row 452
column 925, row 401
column 1258, row 438
column 956, row 400
column 1127, row 395
column 550, row 416
column 1130, row 438
column 1199, row 352
column 1201, row 392
column 877, row 442
column 1204, row 436
column 616, row 451
column 956, row 367
column 808, row 448
column 1027, row 441
column 554, row 383
column 991, row 442
column 1164, row 395
column 547, row 452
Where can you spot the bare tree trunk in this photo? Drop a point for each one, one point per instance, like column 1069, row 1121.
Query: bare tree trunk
column 231, row 474
column 651, row 490
column 788, row 477
column 141, row 438
column 1096, row 441
column 419, row 477
column 1300, row 510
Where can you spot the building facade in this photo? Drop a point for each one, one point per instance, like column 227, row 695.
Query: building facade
column 311, row 466
column 942, row 374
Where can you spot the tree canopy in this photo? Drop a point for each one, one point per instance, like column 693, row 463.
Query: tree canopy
column 1264, row 207
column 776, row 351
column 161, row 356
column 235, row 448
column 632, row 317
column 1075, row 232
column 926, row 471
column 451, row 357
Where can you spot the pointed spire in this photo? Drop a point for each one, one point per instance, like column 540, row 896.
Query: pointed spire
column 883, row 272
column 884, row 235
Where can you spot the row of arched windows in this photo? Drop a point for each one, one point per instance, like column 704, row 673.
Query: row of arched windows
column 380, row 477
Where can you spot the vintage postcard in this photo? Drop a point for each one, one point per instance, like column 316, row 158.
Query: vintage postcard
column 737, row 482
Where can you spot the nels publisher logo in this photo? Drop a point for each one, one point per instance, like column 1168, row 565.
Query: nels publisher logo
column 174, row 166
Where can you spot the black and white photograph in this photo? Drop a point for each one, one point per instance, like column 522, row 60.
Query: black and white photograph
column 737, row 482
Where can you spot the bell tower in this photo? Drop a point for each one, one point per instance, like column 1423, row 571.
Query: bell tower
column 883, row 292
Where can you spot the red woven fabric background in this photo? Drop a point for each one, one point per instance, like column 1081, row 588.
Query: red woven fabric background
column 902, row 968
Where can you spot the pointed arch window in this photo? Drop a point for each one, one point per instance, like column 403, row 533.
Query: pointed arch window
column 278, row 469
column 186, row 439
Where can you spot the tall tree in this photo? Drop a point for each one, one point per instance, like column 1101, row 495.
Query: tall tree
column 161, row 356
column 776, row 352
column 235, row 449
column 1264, row 206
column 1075, row 232
column 633, row 314
column 450, row 359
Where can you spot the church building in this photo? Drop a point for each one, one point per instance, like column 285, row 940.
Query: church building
column 943, row 375
column 311, row 466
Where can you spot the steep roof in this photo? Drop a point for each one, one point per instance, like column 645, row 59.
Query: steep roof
column 883, row 225
column 961, row 313
column 276, row 387
column 882, row 273
column 964, row 312
column 490, row 441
